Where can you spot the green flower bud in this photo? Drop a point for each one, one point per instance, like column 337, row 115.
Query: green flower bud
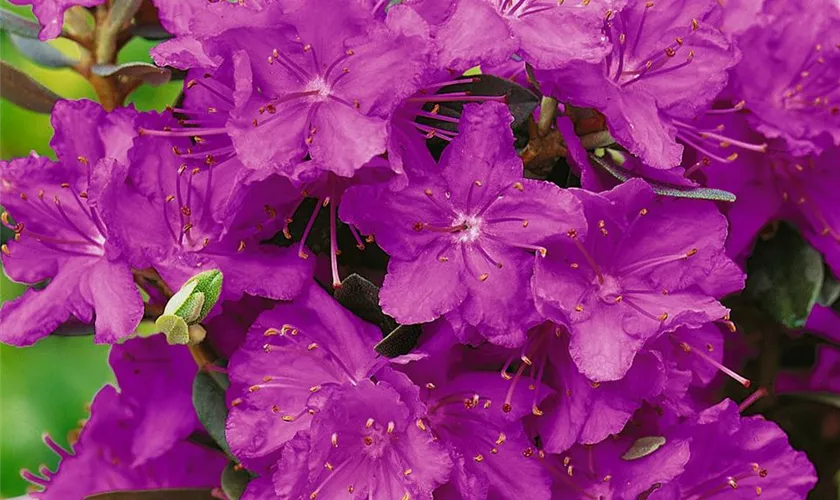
column 189, row 306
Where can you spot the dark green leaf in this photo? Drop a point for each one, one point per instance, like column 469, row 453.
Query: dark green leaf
column 146, row 72
column 643, row 447
column 234, row 481
column 400, row 341
column 173, row 494
column 830, row 290
column 208, row 398
column 17, row 87
column 826, row 398
column 784, row 277
column 361, row 297
column 13, row 23
column 41, row 53
column 662, row 188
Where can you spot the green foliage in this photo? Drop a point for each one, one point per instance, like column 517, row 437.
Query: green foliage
column 209, row 402
column 785, row 276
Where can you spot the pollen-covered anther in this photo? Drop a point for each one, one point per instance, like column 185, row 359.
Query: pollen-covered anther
column 691, row 252
column 5, row 249
column 695, row 24
column 236, row 402
column 536, row 411
column 254, row 388
column 82, row 160
column 288, row 418
column 732, row 483
column 334, row 439
column 241, row 247
column 428, row 192
column 579, row 308
column 369, row 423
column 479, row 458
column 483, row 277
column 170, row 197
column 390, row 428
column 421, row 425
column 478, row 183
column 663, row 316
column 430, row 386
column 312, row 346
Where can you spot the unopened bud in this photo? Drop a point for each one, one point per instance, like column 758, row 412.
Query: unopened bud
column 189, row 306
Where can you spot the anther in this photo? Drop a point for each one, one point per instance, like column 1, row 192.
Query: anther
column 390, row 429
column 334, row 439
column 369, row 423
column 483, row 277
column 479, row 458
column 241, row 247
column 421, row 425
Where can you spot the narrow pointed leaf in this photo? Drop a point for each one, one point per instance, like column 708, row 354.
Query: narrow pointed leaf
column 700, row 193
column 19, row 88
column 148, row 73
column 13, row 23
column 41, row 53
column 209, row 402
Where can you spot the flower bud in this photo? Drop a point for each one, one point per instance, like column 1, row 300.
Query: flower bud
column 189, row 306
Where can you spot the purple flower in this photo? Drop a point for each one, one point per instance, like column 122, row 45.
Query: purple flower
column 648, row 265
column 50, row 13
column 737, row 457
column 607, row 471
column 168, row 212
column 318, row 85
column 577, row 410
column 291, row 354
column 463, row 241
column 365, row 442
column 477, row 416
column 102, row 459
column 790, row 75
column 664, row 65
column 776, row 185
column 60, row 234
column 155, row 382
column 473, row 32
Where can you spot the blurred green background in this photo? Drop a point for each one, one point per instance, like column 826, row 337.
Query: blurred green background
column 45, row 388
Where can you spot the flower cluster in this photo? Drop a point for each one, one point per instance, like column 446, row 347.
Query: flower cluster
column 546, row 340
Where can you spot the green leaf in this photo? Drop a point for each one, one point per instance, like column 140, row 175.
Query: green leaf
column 826, row 398
column 830, row 290
column 148, row 73
column 13, row 23
column 170, row 494
column 42, row 53
column 400, row 341
column 784, row 277
column 361, row 297
column 208, row 399
column 661, row 188
column 17, row 87
column 234, row 482
column 643, row 447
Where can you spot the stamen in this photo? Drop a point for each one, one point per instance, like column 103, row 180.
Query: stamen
column 738, row 378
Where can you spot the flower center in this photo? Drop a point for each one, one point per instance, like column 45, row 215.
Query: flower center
column 470, row 228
